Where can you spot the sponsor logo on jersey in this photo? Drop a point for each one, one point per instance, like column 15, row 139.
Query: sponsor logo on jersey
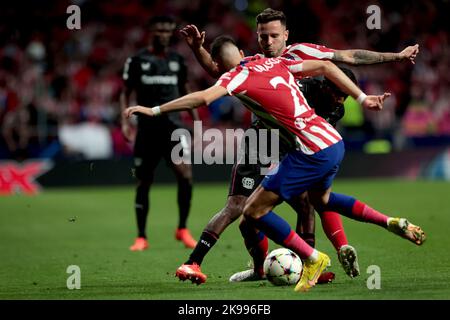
column 248, row 183
column 145, row 66
column 174, row 66
column 167, row 80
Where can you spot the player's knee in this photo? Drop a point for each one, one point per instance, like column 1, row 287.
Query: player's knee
column 251, row 210
column 235, row 207
column 319, row 200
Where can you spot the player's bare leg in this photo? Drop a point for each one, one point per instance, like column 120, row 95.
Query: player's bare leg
column 233, row 209
column 183, row 173
column 191, row 268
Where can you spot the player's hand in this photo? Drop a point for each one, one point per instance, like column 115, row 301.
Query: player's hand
column 128, row 131
column 137, row 109
column 410, row 53
column 193, row 37
column 375, row 103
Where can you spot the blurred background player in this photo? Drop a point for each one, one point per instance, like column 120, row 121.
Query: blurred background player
column 272, row 37
column 157, row 75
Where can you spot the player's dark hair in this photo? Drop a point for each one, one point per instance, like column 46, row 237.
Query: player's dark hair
column 159, row 19
column 269, row 15
column 218, row 43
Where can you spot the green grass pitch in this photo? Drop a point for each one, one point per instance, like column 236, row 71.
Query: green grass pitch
column 92, row 228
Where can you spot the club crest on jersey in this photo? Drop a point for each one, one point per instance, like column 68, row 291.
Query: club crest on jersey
column 248, row 183
column 145, row 66
column 174, row 66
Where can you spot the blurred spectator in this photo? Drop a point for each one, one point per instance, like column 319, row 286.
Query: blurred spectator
column 86, row 141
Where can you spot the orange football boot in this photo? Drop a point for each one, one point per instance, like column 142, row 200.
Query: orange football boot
column 140, row 244
column 191, row 272
column 185, row 236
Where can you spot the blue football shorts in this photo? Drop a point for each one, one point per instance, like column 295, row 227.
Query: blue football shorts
column 299, row 172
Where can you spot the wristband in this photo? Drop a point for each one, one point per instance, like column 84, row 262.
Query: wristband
column 156, row 111
column 361, row 98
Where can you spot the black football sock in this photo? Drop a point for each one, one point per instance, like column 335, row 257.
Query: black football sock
column 207, row 241
column 141, row 205
column 184, row 201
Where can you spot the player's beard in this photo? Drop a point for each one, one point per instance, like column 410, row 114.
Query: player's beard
column 272, row 52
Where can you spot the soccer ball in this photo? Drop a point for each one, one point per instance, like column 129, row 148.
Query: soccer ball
column 283, row 267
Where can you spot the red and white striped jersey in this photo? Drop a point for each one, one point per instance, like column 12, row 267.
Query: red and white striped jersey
column 308, row 51
column 302, row 51
column 271, row 84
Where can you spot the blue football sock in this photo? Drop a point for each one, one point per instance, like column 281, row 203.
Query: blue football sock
column 275, row 227
column 340, row 203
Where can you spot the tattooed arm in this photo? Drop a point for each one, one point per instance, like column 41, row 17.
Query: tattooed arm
column 358, row 56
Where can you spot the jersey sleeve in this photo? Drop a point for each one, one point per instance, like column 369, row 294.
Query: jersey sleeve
column 294, row 66
column 308, row 51
column 130, row 72
column 235, row 81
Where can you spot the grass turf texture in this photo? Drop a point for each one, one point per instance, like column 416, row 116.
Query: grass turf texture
column 41, row 236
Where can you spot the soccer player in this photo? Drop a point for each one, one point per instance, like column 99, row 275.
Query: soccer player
column 311, row 167
column 272, row 37
column 330, row 106
column 157, row 75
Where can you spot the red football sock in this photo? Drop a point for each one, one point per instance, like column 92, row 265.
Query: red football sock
column 333, row 228
column 363, row 212
column 298, row 245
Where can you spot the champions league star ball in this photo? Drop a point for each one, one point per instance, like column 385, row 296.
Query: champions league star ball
column 283, row 267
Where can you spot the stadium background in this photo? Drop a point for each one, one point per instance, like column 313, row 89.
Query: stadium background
column 59, row 108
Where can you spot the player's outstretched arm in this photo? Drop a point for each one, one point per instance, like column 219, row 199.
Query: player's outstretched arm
column 187, row 102
column 358, row 56
column 334, row 74
column 195, row 40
